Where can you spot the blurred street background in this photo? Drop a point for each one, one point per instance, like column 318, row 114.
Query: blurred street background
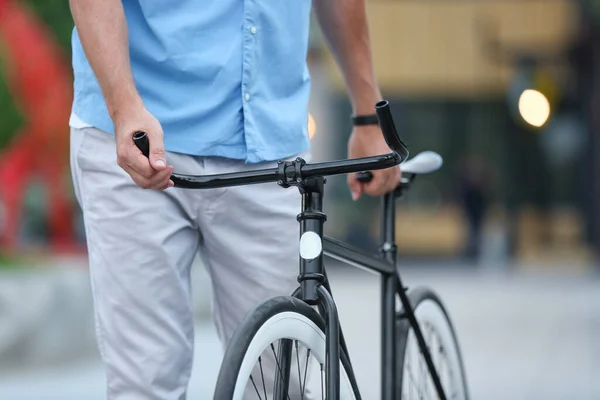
column 507, row 232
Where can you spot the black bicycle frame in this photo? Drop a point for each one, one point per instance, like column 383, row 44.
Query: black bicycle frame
column 314, row 290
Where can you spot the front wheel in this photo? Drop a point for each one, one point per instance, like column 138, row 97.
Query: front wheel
column 414, row 381
column 278, row 352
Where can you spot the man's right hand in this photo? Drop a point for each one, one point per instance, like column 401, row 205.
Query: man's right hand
column 152, row 173
column 102, row 28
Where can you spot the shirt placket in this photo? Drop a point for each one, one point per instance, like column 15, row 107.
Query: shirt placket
column 248, row 71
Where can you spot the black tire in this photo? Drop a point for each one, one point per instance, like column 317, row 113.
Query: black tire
column 247, row 331
column 422, row 298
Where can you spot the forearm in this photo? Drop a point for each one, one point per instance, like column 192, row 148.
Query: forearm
column 102, row 29
column 344, row 26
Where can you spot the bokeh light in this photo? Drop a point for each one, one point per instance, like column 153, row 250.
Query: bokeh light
column 534, row 107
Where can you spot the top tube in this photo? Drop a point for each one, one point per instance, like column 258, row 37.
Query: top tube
column 293, row 171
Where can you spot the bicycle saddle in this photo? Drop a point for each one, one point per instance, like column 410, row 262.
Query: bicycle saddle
column 423, row 163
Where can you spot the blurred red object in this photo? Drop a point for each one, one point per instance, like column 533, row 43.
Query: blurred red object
column 39, row 78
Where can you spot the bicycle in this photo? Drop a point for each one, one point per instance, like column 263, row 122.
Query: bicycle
column 306, row 323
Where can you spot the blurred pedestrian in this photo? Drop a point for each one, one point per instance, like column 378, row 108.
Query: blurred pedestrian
column 474, row 197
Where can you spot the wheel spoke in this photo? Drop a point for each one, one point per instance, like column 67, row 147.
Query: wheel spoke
column 414, row 387
column 256, row 389
column 442, row 361
column 299, row 374
column 305, row 371
column 322, row 384
column 279, row 368
column 262, row 375
column 421, row 374
column 430, row 347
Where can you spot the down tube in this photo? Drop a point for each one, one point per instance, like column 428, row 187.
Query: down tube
column 388, row 300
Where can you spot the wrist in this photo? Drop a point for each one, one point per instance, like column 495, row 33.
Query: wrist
column 123, row 103
column 371, row 132
column 364, row 119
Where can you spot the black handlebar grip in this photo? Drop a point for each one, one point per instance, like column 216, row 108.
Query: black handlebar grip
column 141, row 141
column 365, row 176
column 386, row 122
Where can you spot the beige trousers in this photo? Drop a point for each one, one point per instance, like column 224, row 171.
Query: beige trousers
column 141, row 245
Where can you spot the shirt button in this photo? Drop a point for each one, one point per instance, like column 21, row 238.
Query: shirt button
column 253, row 30
column 247, row 96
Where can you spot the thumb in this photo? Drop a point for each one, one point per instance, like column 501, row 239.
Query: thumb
column 355, row 186
column 158, row 156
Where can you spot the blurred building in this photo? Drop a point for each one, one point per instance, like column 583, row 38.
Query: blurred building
column 494, row 80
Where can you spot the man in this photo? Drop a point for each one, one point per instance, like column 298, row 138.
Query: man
column 227, row 83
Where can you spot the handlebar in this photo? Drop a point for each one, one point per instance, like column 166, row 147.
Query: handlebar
column 292, row 172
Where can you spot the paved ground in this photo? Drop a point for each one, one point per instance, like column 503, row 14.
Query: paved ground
column 523, row 336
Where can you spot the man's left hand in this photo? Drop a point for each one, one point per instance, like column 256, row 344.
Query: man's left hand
column 367, row 141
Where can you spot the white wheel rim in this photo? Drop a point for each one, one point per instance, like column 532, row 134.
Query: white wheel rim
column 429, row 312
column 287, row 325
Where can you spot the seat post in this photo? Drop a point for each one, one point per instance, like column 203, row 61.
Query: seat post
column 388, row 227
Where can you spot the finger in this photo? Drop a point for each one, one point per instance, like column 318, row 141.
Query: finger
column 391, row 181
column 355, row 186
column 374, row 186
column 160, row 181
column 394, row 179
column 129, row 157
column 158, row 156
column 381, row 183
column 168, row 185
column 138, row 179
column 162, row 178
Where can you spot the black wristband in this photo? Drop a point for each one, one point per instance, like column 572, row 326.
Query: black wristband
column 370, row 119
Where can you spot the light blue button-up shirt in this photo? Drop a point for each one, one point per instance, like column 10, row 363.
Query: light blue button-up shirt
column 225, row 78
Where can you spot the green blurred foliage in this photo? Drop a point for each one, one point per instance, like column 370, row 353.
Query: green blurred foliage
column 10, row 117
column 57, row 17
column 10, row 261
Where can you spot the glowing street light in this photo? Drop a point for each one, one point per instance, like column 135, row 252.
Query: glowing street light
column 534, row 107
